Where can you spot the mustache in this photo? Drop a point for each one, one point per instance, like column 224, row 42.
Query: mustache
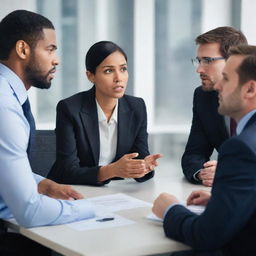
column 203, row 76
column 53, row 70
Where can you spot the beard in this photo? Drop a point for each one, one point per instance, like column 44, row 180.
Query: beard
column 36, row 77
column 207, row 83
column 232, row 105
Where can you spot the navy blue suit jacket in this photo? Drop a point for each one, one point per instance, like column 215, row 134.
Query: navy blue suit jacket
column 77, row 137
column 208, row 132
column 229, row 221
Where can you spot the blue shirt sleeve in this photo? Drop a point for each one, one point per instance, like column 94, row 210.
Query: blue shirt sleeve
column 18, row 185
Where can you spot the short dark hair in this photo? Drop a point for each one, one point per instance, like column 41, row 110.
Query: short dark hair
column 225, row 36
column 98, row 52
column 247, row 69
column 21, row 25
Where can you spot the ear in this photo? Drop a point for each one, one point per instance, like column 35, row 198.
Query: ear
column 250, row 89
column 22, row 49
column 90, row 76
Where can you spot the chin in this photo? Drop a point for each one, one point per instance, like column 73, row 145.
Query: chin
column 207, row 87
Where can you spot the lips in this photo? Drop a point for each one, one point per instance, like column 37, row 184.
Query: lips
column 118, row 87
column 204, row 77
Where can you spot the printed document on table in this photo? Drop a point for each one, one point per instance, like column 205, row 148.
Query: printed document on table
column 116, row 202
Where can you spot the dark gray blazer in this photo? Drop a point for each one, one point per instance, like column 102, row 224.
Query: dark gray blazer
column 208, row 132
column 229, row 221
column 77, row 137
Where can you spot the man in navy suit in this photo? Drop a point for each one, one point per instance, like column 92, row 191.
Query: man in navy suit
column 228, row 223
column 209, row 129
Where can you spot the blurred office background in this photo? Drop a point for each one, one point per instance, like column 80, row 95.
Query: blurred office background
column 158, row 37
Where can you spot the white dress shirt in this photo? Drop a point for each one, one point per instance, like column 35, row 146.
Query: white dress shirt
column 19, row 197
column 108, row 135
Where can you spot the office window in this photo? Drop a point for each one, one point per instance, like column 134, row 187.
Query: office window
column 177, row 24
column 79, row 24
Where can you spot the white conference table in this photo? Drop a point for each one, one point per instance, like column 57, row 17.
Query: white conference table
column 146, row 237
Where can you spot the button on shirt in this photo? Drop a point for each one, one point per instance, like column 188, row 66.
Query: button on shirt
column 18, row 185
column 108, row 135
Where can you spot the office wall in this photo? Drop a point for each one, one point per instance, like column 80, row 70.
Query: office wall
column 158, row 36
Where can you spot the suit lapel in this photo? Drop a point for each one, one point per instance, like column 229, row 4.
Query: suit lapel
column 89, row 117
column 125, row 116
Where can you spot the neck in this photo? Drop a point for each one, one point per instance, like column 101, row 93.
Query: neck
column 18, row 69
column 107, row 105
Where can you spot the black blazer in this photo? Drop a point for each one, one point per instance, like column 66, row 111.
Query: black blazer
column 229, row 221
column 77, row 137
column 208, row 132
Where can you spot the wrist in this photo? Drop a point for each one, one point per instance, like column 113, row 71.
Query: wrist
column 44, row 186
column 106, row 172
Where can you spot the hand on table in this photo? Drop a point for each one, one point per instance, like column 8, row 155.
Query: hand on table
column 58, row 191
column 162, row 202
column 199, row 197
column 207, row 174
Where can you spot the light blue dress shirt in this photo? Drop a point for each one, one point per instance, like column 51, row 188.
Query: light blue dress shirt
column 19, row 197
column 243, row 121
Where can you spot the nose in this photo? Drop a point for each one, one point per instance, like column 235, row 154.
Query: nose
column 56, row 61
column 200, row 69
column 118, row 77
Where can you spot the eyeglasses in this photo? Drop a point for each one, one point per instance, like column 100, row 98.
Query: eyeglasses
column 205, row 61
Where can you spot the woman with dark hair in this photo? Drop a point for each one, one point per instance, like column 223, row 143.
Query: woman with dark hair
column 102, row 133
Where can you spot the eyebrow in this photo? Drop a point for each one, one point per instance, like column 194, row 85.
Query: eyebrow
column 111, row 66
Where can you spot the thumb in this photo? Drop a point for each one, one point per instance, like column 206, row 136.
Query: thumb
column 131, row 155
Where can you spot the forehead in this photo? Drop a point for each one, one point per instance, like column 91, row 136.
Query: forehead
column 115, row 58
column 208, row 50
column 233, row 63
column 49, row 38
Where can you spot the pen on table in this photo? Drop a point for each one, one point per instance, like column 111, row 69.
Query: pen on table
column 105, row 219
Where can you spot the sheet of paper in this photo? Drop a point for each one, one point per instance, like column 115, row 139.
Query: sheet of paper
column 116, row 202
column 198, row 209
column 94, row 223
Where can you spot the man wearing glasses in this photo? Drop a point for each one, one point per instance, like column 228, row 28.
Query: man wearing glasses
column 209, row 129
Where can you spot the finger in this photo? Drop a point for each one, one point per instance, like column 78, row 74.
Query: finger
column 210, row 163
column 197, row 201
column 76, row 195
column 207, row 183
column 193, row 195
column 157, row 156
column 207, row 171
column 131, row 155
column 138, row 165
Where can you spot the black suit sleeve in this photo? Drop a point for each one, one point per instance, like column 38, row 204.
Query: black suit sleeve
column 140, row 144
column 230, row 208
column 67, row 168
column 198, row 149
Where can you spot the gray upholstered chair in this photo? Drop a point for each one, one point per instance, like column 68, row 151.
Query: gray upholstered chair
column 43, row 152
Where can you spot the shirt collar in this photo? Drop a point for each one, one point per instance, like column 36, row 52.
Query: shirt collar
column 101, row 114
column 15, row 83
column 243, row 121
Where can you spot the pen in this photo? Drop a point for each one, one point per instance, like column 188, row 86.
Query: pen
column 105, row 219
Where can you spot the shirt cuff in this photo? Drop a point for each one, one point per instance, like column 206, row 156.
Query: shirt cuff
column 38, row 178
column 170, row 207
column 195, row 175
column 83, row 209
